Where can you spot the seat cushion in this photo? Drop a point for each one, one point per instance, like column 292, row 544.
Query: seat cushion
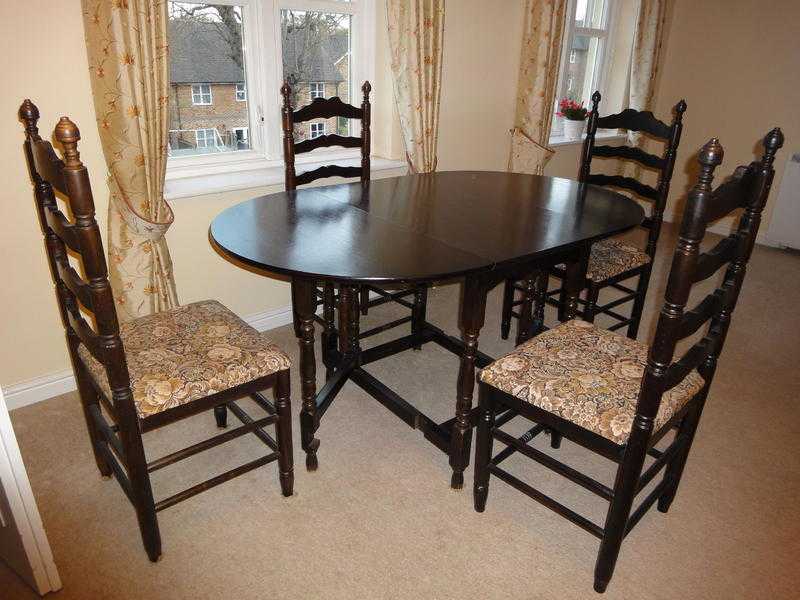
column 188, row 353
column 586, row 375
column 612, row 257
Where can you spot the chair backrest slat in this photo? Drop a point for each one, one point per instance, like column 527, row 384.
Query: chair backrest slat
column 641, row 121
column 326, row 141
column 630, row 153
column 627, row 183
column 635, row 120
column 749, row 186
column 82, row 236
column 324, row 108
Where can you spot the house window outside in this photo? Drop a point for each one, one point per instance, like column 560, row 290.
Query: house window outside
column 317, row 130
column 241, row 138
column 205, row 138
column 586, row 44
column 226, row 68
column 241, row 92
column 201, row 94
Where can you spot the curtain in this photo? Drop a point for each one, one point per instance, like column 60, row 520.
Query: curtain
column 538, row 81
column 645, row 55
column 128, row 53
column 416, row 29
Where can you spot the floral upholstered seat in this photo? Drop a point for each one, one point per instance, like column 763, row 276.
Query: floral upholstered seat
column 612, row 257
column 586, row 375
column 188, row 353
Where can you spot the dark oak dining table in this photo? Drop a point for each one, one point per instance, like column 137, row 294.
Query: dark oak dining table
column 476, row 226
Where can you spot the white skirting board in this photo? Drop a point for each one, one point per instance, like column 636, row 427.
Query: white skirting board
column 55, row 384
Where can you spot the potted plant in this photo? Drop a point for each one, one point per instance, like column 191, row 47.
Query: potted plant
column 574, row 116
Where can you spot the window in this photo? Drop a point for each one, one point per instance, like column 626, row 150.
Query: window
column 240, row 138
column 201, row 94
column 316, row 89
column 317, row 129
column 241, row 92
column 205, row 138
column 593, row 51
column 242, row 51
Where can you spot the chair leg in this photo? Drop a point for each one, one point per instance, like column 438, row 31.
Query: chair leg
column 283, row 432
column 88, row 396
column 364, row 300
column 592, row 294
column 419, row 312
column 539, row 301
column 142, row 492
column 638, row 303
column 674, row 470
column 508, row 299
column 483, row 446
column 555, row 439
column 627, row 478
column 221, row 416
column 525, row 323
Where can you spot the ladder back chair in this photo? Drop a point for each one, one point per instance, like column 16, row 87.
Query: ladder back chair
column 617, row 396
column 325, row 108
column 153, row 370
column 613, row 261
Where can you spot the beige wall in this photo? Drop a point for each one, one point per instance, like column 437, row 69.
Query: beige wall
column 721, row 56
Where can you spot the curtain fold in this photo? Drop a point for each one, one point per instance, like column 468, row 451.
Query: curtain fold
column 128, row 53
column 645, row 59
column 542, row 32
column 416, row 30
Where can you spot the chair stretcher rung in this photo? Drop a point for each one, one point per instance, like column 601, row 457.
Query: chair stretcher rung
column 645, row 505
column 246, row 419
column 554, row 465
column 615, row 303
column 620, row 325
column 215, row 481
column 659, row 463
column 116, row 468
column 524, row 438
column 213, row 442
column 547, row 501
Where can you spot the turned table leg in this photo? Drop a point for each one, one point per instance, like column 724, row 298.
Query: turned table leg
column 304, row 304
column 473, row 310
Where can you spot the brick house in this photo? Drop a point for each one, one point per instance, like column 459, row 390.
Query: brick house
column 208, row 94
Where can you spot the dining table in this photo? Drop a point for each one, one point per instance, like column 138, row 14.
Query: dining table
column 476, row 227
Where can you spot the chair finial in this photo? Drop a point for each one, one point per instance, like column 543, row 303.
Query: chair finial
column 773, row 141
column 29, row 113
column 366, row 88
column 68, row 134
column 712, row 153
column 680, row 108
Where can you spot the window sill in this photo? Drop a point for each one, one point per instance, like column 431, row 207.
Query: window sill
column 560, row 140
column 188, row 180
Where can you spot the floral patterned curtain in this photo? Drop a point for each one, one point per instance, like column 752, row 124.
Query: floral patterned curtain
column 126, row 42
column 645, row 55
column 538, row 79
column 416, row 29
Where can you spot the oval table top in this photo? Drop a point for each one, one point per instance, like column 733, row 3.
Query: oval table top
column 419, row 227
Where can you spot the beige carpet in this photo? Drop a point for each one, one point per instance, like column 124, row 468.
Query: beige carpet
column 378, row 519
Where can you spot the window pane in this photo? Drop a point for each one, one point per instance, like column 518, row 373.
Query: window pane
column 316, row 63
column 580, row 74
column 589, row 13
column 208, row 97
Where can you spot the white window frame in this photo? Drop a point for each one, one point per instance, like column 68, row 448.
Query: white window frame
column 311, row 127
column 313, row 88
column 604, row 59
column 199, row 94
column 261, row 44
column 246, row 136
column 240, row 92
column 206, row 139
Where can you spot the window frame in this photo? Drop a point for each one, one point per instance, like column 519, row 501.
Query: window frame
column 201, row 93
column 312, row 90
column 605, row 56
column 205, row 131
column 243, row 92
column 311, row 135
column 261, row 45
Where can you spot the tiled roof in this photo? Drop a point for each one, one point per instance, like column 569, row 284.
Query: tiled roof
column 199, row 54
